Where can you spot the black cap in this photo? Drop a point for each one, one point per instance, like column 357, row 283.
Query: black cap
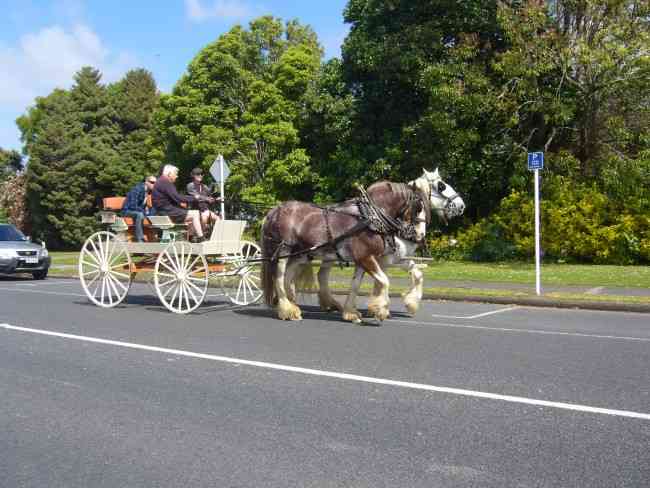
column 197, row 172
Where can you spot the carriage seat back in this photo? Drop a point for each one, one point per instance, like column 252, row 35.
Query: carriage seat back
column 226, row 236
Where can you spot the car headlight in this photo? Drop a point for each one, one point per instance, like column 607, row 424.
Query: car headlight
column 44, row 253
column 7, row 253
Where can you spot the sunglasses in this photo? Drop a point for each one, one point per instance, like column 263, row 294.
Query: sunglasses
column 152, row 182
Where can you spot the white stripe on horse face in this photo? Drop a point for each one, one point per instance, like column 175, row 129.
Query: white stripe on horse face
column 421, row 226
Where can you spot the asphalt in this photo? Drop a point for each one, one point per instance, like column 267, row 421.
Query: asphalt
column 175, row 401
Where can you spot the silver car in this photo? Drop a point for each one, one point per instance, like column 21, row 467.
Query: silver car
column 19, row 255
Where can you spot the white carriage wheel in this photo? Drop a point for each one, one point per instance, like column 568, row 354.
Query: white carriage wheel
column 181, row 277
column 105, row 269
column 243, row 287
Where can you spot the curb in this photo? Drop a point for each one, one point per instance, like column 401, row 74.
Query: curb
column 528, row 301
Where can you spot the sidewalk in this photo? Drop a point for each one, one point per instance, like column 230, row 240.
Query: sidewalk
column 584, row 297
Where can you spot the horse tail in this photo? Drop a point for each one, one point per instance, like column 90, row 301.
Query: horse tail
column 269, row 270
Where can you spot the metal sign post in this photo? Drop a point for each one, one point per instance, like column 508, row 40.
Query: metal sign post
column 220, row 172
column 535, row 163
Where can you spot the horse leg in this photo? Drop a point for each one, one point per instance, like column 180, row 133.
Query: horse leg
column 325, row 298
column 290, row 281
column 350, row 312
column 378, row 303
column 286, row 309
column 413, row 296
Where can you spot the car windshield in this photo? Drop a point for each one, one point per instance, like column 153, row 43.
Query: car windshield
column 10, row 233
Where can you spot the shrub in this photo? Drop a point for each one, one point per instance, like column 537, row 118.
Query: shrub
column 579, row 223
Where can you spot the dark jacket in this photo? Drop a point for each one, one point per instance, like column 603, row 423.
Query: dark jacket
column 136, row 199
column 199, row 189
column 167, row 200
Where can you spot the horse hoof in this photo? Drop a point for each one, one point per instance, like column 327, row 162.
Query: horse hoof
column 412, row 308
column 382, row 314
column 354, row 317
column 292, row 313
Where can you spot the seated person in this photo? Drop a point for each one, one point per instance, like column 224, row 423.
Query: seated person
column 197, row 188
column 135, row 205
column 167, row 201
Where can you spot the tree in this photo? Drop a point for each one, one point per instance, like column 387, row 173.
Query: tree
column 133, row 101
column 242, row 96
column 11, row 162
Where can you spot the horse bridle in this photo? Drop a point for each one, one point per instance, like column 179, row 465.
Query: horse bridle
column 448, row 201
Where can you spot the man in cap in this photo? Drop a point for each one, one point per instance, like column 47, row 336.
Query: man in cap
column 198, row 189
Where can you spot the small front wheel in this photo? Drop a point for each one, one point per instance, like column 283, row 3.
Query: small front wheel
column 242, row 285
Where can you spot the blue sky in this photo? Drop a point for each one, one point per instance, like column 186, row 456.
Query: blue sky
column 42, row 43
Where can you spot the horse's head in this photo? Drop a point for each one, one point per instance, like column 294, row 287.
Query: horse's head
column 443, row 198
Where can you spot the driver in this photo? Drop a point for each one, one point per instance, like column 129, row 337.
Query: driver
column 197, row 188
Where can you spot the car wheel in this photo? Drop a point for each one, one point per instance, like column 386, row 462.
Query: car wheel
column 39, row 275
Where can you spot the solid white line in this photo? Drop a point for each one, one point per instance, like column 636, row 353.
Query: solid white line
column 525, row 331
column 343, row 376
column 485, row 314
column 23, row 290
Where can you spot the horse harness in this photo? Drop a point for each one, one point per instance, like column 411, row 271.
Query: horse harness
column 371, row 217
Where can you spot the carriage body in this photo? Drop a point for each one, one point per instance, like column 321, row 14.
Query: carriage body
column 180, row 272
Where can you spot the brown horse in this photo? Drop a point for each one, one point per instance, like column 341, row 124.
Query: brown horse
column 446, row 203
column 293, row 233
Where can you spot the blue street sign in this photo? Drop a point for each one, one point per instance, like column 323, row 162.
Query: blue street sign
column 535, row 160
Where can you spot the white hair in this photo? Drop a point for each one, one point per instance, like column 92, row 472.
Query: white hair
column 169, row 169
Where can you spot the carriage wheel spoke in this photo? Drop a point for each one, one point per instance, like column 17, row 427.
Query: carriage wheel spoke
column 92, row 282
column 166, row 275
column 115, row 280
column 191, row 266
column 189, row 290
column 87, row 252
column 192, row 285
column 197, row 280
column 98, row 256
column 187, row 297
column 166, row 294
column 165, row 283
column 171, row 261
column 121, row 275
column 112, row 288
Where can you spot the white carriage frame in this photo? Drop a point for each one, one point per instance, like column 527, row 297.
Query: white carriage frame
column 106, row 257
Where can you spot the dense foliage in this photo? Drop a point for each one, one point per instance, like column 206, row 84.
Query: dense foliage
column 83, row 144
column 468, row 86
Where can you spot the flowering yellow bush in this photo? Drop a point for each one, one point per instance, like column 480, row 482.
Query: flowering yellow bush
column 579, row 223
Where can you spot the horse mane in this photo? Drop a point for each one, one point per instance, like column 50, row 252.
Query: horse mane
column 405, row 193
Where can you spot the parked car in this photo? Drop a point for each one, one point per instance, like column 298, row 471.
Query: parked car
column 19, row 255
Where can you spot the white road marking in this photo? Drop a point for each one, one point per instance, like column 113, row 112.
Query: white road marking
column 505, row 329
column 595, row 291
column 23, row 290
column 526, row 331
column 342, row 376
column 485, row 314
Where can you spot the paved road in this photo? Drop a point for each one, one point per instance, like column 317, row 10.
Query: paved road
column 461, row 395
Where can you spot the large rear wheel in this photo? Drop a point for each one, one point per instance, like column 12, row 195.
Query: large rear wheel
column 181, row 278
column 105, row 269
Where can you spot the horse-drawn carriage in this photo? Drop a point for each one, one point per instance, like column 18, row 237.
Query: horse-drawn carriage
column 382, row 229
column 180, row 271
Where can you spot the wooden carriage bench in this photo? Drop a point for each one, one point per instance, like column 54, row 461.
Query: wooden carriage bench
column 157, row 228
